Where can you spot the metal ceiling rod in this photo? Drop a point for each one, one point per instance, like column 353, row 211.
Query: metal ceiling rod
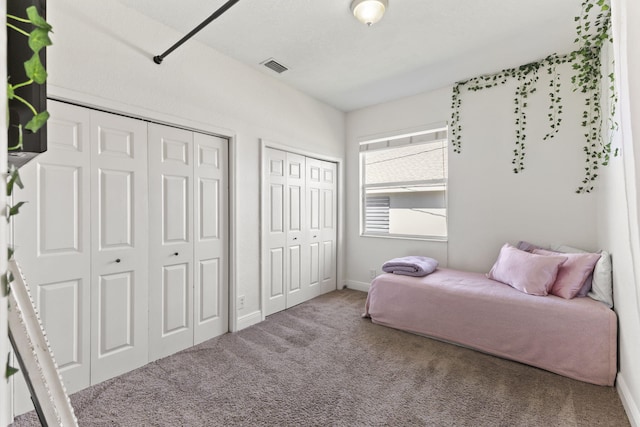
column 158, row 58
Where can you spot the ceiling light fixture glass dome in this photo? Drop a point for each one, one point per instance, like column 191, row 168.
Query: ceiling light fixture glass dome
column 369, row 11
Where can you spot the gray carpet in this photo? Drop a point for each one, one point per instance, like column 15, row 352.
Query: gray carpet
column 321, row 364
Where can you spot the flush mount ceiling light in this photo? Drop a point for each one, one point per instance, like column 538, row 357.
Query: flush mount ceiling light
column 369, row 11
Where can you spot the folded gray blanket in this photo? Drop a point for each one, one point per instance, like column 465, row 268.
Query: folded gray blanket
column 416, row 266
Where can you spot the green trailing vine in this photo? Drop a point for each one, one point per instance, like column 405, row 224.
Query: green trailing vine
column 35, row 72
column 37, row 30
column 593, row 32
column 13, row 181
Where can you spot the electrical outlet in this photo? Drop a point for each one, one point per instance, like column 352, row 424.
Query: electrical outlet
column 241, row 302
column 372, row 274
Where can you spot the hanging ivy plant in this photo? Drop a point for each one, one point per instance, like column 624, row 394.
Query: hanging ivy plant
column 592, row 34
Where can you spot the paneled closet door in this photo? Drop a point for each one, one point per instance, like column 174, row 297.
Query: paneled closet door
column 313, row 250
column 119, row 258
column 296, row 266
column 211, row 237
column 170, row 240
column 274, row 231
column 299, row 200
column 285, row 267
column 52, row 241
column 328, row 226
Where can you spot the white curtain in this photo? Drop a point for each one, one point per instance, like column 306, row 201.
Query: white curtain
column 626, row 47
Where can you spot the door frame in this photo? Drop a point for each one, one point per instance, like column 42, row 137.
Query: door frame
column 115, row 107
column 340, row 214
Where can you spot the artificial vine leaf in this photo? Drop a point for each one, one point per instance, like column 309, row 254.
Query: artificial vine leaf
column 14, row 210
column 14, row 179
column 37, row 121
column 10, row 370
column 38, row 39
column 36, row 19
column 5, row 280
column 5, row 284
column 35, row 70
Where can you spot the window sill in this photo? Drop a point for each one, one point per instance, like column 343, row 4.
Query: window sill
column 406, row 237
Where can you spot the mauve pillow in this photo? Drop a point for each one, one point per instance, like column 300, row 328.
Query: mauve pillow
column 529, row 273
column 586, row 286
column 573, row 273
column 527, row 247
column 601, row 288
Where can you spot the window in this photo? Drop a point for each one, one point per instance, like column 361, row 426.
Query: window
column 404, row 185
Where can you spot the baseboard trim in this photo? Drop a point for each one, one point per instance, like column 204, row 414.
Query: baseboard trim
column 358, row 286
column 633, row 413
column 249, row 320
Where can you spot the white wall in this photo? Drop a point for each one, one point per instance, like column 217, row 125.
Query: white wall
column 618, row 220
column 488, row 204
column 102, row 55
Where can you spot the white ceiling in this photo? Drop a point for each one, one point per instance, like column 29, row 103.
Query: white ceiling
column 419, row 45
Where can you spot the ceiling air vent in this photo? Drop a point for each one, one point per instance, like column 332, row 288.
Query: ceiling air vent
column 274, row 65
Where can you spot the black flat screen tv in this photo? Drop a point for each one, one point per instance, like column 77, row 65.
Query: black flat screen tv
column 18, row 52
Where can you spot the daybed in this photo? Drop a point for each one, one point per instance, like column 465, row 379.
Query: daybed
column 572, row 337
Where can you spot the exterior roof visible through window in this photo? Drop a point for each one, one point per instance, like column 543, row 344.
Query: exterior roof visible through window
column 408, row 163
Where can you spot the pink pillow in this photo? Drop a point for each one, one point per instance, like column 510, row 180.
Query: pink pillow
column 573, row 273
column 529, row 273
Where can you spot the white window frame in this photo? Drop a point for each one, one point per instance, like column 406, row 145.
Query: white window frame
column 391, row 140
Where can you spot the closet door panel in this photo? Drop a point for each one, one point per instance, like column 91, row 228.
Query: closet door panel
column 115, row 195
column 211, row 253
column 314, row 215
column 175, row 298
column 52, row 297
column 52, row 241
column 276, row 276
column 295, row 190
column 119, row 259
column 329, row 229
column 210, row 306
column 115, row 333
column 210, row 197
column 294, row 219
column 58, row 211
column 170, row 240
column 275, row 236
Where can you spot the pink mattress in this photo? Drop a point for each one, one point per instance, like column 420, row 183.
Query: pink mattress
column 576, row 338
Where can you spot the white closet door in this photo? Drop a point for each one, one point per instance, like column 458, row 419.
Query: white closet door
column 119, row 260
column 313, row 250
column 285, row 266
column 274, row 231
column 295, row 225
column 211, row 238
column 299, row 199
column 328, row 226
column 170, row 240
column 52, row 240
